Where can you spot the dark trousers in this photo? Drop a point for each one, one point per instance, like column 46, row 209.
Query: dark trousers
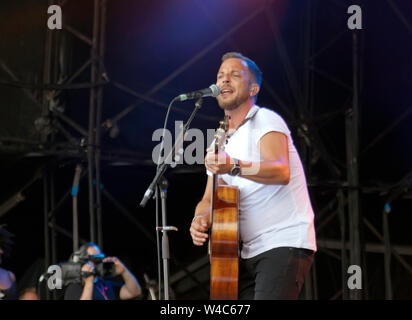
column 277, row 274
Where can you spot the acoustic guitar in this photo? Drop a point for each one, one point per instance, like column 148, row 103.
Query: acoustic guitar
column 224, row 233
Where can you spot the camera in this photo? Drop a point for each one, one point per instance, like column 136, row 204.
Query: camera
column 71, row 270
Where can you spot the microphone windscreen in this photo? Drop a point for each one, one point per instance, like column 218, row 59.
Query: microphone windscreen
column 215, row 90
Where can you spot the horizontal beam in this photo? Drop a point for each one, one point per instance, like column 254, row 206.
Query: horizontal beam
column 369, row 247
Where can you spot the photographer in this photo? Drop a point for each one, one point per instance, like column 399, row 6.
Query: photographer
column 95, row 288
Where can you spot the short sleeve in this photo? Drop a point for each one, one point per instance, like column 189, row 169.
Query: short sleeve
column 267, row 121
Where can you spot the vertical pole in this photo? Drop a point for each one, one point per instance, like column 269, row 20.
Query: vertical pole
column 53, row 235
column 315, row 280
column 46, row 225
column 44, row 137
column 91, row 134
column 344, row 263
column 308, row 39
column 308, row 287
column 352, row 149
column 53, row 219
column 47, row 70
column 98, row 126
column 303, row 150
column 307, row 93
column 387, row 253
column 53, row 75
column 75, row 192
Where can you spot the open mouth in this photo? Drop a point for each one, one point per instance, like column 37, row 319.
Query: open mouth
column 226, row 92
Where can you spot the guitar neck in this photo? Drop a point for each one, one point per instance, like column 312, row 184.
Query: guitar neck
column 215, row 178
column 218, row 145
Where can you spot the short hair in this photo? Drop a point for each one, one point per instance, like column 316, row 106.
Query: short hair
column 87, row 245
column 253, row 68
column 82, row 251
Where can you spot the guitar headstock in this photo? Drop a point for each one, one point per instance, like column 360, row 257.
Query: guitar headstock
column 220, row 136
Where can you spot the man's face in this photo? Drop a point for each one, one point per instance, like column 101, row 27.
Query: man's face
column 233, row 80
column 93, row 250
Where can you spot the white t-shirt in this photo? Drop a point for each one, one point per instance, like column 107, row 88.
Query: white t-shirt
column 270, row 216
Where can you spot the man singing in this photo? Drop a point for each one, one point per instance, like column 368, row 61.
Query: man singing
column 276, row 219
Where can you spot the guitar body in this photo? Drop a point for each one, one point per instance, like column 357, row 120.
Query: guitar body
column 224, row 244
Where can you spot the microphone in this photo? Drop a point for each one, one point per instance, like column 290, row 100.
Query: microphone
column 212, row 91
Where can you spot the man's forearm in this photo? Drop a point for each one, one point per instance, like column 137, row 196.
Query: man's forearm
column 87, row 293
column 202, row 208
column 265, row 172
column 131, row 284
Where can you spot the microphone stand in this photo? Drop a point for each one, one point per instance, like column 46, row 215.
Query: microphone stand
column 165, row 240
column 160, row 182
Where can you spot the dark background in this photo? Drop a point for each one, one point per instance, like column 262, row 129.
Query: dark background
column 146, row 41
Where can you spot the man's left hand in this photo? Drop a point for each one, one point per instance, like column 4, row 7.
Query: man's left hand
column 219, row 163
column 120, row 268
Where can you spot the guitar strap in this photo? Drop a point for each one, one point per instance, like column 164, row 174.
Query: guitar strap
column 249, row 117
column 229, row 135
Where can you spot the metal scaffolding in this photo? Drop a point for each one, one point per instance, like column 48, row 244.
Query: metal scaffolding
column 349, row 190
column 345, row 202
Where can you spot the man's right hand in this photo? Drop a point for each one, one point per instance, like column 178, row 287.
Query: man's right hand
column 198, row 230
column 87, row 293
column 88, row 267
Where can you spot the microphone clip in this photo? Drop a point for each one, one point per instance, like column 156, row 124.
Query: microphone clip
column 199, row 103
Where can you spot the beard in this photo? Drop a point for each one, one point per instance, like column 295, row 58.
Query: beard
column 234, row 102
